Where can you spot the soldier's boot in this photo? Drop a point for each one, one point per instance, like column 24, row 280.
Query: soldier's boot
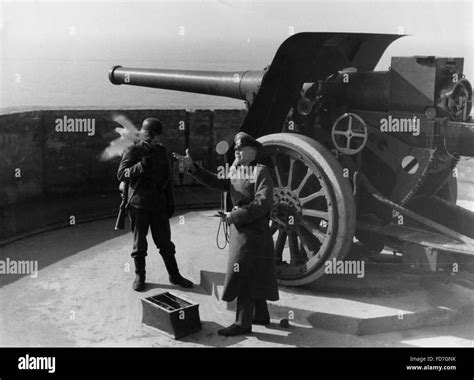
column 139, row 282
column 173, row 271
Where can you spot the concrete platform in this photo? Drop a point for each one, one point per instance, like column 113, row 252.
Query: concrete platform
column 82, row 296
column 397, row 302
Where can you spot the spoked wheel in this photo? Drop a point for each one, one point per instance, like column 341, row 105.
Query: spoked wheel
column 313, row 216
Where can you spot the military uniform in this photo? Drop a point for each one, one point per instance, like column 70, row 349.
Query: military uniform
column 251, row 272
column 151, row 199
column 150, row 205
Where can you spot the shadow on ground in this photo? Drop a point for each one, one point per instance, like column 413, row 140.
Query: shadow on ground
column 53, row 246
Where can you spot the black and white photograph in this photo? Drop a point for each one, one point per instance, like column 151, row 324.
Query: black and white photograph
column 237, row 174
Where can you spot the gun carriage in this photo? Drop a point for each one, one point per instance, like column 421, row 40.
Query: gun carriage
column 353, row 152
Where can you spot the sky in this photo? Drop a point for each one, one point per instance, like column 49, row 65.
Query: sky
column 47, row 36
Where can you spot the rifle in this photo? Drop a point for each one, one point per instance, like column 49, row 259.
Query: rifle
column 120, row 222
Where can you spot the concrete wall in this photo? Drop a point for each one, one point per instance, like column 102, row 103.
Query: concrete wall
column 46, row 176
column 21, row 157
column 38, row 161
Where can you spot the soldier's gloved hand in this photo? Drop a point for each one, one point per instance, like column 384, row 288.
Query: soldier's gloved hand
column 226, row 217
column 122, row 186
column 147, row 162
column 186, row 161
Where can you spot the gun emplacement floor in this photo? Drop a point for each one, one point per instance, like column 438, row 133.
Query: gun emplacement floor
column 82, row 296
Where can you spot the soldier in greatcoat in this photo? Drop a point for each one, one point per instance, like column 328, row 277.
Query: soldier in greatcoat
column 251, row 272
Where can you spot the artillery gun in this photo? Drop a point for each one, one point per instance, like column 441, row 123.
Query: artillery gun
column 353, row 152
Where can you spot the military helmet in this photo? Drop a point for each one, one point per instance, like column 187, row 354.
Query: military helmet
column 152, row 127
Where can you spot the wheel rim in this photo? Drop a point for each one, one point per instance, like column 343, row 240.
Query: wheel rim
column 304, row 216
column 302, row 213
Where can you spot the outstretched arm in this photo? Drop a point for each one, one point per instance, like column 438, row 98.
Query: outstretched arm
column 202, row 175
column 209, row 179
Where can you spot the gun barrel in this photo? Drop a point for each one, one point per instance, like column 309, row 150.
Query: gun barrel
column 238, row 85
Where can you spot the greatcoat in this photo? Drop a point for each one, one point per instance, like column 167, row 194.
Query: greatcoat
column 251, row 270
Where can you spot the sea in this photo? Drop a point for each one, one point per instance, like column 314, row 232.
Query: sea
column 51, row 78
column 51, row 74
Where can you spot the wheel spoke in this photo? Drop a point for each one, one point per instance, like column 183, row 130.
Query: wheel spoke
column 349, row 127
column 313, row 231
column 303, row 182
column 312, row 196
column 277, row 173
column 343, row 133
column 280, row 244
column 316, row 213
column 290, row 173
column 357, row 134
column 273, row 228
column 310, row 247
column 303, row 251
column 294, row 250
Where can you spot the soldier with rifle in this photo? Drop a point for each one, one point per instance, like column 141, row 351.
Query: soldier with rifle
column 146, row 171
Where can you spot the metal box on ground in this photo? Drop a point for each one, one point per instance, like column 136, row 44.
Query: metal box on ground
column 172, row 315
